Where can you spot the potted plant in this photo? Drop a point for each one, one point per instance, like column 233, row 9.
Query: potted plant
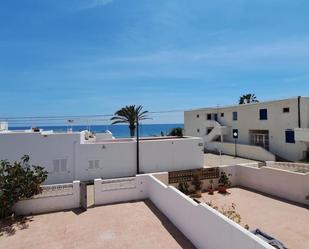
column 183, row 186
column 211, row 189
column 197, row 183
column 224, row 182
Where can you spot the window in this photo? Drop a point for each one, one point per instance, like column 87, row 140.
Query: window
column 63, row 164
column 60, row 165
column 197, row 115
column 56, row 164
column 286, row 109
column 290, row 136
column 209, row 116
column 235, row 116
column 263, row 114
column 222, row 114
column 91, row 164
column 94, row 164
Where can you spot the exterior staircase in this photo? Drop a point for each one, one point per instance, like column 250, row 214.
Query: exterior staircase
column 217, row 131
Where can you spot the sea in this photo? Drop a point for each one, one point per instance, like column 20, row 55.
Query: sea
column 119, row 131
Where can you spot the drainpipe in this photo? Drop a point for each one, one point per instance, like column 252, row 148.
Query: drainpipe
column 299, row 118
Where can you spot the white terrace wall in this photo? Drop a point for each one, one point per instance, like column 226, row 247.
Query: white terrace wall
column 243, row 150
column 289, row 166
column 288, row 185
column 205, row 227
column 120, row 190
column 56, row 202
column 202, row 225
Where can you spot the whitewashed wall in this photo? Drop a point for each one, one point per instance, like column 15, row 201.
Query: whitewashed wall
column 198, row 222
column 115, row 158
column 42, row 149
column 243, row 150
column 248, row 119
column 120, row 190
column 285, row 184
column 202, row 225
column 50, row 204
column 171, row 154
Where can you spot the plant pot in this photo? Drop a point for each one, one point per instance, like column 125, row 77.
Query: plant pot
column 198, row 193
column 222, row 189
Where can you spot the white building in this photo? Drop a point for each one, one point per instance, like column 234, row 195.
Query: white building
column 265, row 130
column 77, row 156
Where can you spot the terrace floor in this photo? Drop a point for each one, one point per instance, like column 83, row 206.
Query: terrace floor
column 126, row 225
column 285, row 221
column 214, row 160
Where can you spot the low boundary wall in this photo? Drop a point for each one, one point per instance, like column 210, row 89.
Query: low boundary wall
column 56, row 197
column 296, row 167
column 243, row 150
column 202, row 225
column 119, row 190
column 288, row 185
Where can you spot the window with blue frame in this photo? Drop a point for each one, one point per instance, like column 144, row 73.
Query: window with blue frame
column 290, row 136
column 263, row 114
column 235, row 116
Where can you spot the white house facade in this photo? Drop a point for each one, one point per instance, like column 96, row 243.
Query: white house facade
column 278, row 129
column 78, row 156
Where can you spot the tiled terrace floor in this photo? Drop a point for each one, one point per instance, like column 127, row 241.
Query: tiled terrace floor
column 126, row 225
column 287, row 222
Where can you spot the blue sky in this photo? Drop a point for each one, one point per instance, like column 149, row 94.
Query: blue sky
column 79, row 57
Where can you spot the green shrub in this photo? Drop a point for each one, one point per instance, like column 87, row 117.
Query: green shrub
column 183, row 186
column 196, row 181
column 18, row 181
column 176, row 132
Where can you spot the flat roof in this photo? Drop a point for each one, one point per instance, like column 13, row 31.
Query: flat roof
column 244, row 105
column 126, row 225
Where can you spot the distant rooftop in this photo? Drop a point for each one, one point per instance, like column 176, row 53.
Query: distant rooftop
column 245, row 105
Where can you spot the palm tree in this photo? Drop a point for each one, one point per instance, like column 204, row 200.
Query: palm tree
column 248, row 98
column 130, row 114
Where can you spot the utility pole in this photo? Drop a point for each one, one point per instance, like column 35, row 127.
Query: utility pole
column 137, row 146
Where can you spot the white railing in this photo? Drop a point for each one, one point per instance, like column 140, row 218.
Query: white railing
column 55, row 190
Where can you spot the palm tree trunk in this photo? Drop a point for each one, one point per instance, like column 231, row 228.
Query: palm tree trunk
column 132, row 130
